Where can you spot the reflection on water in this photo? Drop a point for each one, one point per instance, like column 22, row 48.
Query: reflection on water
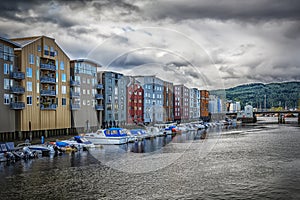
column 253, row 162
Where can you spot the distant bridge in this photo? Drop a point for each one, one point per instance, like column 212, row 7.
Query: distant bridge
column 272, row 112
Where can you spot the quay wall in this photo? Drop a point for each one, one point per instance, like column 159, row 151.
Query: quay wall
column 217, row 116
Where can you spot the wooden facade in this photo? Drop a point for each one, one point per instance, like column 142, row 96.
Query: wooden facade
column 47, row 83
column 168, row 101
column 9, row 87
column 204, row 101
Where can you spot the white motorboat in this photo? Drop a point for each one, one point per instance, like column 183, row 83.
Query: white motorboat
column 109, row 136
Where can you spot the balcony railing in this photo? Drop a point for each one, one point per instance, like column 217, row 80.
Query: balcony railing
column 74, row 94
column 45, row 106
column 48, row 93
column 99, row 107
column 75, row 106
column 46, row 79
column 17, row 75
column 17, row 105
column 99, row 86
column 48, row 67
column 74, row 83
column 99, row 96
column 17, row 90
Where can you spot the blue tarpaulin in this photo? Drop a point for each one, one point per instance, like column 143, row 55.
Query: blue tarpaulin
column 61, row 144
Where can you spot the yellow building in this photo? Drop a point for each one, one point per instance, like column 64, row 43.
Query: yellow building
column 47, row 82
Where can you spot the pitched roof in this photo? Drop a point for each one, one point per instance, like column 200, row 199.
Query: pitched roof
column 16, row 45
column 25, row 41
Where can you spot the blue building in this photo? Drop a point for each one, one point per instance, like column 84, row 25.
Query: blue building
column 111, row 82
column 153, row 98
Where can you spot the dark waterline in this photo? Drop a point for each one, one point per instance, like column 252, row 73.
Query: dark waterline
column 250, row 163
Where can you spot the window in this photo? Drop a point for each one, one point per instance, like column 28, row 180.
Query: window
column 39, row 48
column 37, row 88
column 88, row 91
column 83, row 102
column 83, row 91
column 56, row 77
column 56, row 89
column 63, row 101
column 77, row 78
column 29, row 72
column 6, row 99
column 37, row 74
column 63, row 89
column 31, row 59
column 37, row 61
column 62, row 65
column 29, row 86
column 29, row 100
column 6, row 68
column 63, row 78
column 88, row 81
column 7, row 84
column 56, row 64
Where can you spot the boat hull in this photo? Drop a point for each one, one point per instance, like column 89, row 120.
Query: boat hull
column 107, row 140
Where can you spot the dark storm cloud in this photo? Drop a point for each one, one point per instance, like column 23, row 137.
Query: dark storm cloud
column 131, row 60
column 225, row 10
column 22, row 11
column 126, row 7
column 293, row 32
column 45, row 11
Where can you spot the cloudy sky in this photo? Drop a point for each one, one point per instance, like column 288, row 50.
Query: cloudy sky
column 206, row 44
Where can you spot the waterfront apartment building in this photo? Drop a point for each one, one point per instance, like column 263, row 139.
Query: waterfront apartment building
column 111, row 81
column 153, row 98
column 84, row 95
column 11, row 77
column 122, row 99
column 181, row 103
column 99, row 103
column 194, row 104
column 135, row 101
column 46, row 96
column 204, row 102
column 168, row 102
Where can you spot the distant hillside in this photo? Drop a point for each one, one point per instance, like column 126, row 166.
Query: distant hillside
column 277, row 94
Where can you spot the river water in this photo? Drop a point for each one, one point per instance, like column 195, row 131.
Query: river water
column 254, row 162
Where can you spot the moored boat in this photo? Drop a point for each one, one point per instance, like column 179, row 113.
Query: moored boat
column 109, row 136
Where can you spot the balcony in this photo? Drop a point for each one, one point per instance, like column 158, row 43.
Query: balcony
column 75, row 106
column 46, row 79
column 99, row 96
column 47, row 106
column 99, row 86
column 17, row 90
column 74, row 83
column 99, row 107
column 48, row 93
column 74, row 94
column 17, row 75
column 17, row 105
column 48, row 67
